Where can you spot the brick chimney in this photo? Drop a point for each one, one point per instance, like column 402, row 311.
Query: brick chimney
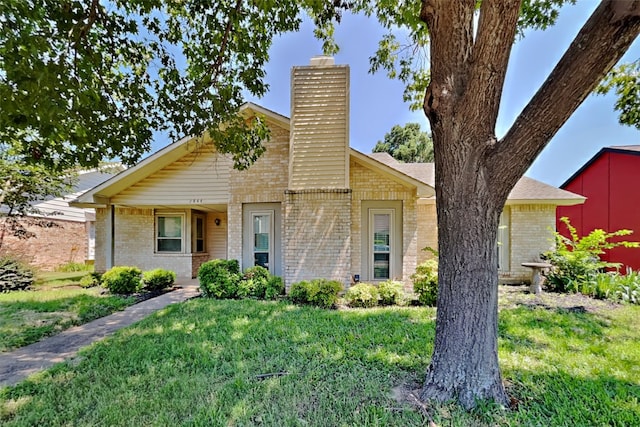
column 317, row 205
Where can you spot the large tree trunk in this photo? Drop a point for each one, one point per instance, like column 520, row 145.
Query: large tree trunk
column 475, row 171
column 464, row 364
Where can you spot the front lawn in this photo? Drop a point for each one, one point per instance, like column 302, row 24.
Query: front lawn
column 52, row 306
column 202, row 363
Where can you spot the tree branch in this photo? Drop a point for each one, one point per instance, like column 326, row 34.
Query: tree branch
column 216, row 68
column 601, row 42
column 491, row 51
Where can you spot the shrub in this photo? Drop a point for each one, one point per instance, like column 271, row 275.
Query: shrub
column 299, row 292
column 71, row 267
column 254, row 282
column 362, row 295
column 122, row 280
column 158, row 279
column 576, row 260
column 628, row 289
column 318, row 292
column 390, row 292
column 275, row 288
column 15, row 275
column 324, row 293
column 91, row 280
column 425, row 282
column 219, row 278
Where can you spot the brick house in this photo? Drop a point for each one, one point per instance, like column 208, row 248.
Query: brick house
column 68, row 234
column 609, row 182
column 309, row 207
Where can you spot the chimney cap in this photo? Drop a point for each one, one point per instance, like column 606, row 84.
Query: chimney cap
column 322, row 61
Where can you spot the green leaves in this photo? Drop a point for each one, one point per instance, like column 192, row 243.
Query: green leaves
column 80, row 82
column 625, row 81
column 408, row 144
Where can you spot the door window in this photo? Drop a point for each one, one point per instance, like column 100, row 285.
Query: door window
column 262, row 238
column 381, row 221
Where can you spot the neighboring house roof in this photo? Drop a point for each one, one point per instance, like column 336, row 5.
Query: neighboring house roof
column 633, row 150
column 59, row 208
column 527, row 190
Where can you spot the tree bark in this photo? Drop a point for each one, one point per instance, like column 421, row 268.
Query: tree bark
column 475, row 172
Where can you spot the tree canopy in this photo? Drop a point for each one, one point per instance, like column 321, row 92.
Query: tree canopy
column 408, row 144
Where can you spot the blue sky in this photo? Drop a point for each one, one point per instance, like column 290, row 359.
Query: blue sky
column 376, row 101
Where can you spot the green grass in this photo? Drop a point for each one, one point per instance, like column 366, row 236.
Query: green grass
column 196, row 364
column 29, row 316
column 53, row 279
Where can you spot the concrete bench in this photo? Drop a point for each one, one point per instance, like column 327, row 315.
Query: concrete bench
column 537, row 277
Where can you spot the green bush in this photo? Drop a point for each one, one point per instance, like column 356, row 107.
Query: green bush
column 576, row 260
column 91, row 280
column 71, row 267
column 122, row 280
column 362, row 295
column 390, row 292
column 299, row 292
column 275, row 288
column 324, row 293
column 318, row 292
column 254, row 282
column 158, row 279
column 219, row 278
column 425, row 282
column 15, row 275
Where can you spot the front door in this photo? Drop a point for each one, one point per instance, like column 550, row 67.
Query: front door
column 261, row 236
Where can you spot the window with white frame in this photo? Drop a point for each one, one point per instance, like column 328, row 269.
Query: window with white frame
column 262, row 238
column 170, row 232
column 381, row 231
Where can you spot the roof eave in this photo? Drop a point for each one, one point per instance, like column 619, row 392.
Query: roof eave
column 556, row 202
column 423, row 190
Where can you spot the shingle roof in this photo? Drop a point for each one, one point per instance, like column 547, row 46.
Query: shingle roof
column 525, row 189
column 625, row 147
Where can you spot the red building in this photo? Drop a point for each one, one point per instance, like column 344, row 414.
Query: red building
column 611, row 183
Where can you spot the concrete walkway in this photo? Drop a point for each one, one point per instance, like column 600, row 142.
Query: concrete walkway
column 18, row 365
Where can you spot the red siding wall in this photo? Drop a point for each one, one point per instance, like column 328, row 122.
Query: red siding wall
column 611, row 184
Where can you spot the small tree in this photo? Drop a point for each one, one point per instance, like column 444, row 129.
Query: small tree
column 408, row 144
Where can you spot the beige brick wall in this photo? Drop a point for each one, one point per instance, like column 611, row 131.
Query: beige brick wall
column 427, row 231
column 317, row 236
column 531, row 233
column 264, row 182
column 52, row 246
column 134, row 243
column 369, row 185
column 101, row 239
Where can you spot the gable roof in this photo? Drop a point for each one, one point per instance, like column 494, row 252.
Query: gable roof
column 633, row 150
column 100, row 194
column 526, row 191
